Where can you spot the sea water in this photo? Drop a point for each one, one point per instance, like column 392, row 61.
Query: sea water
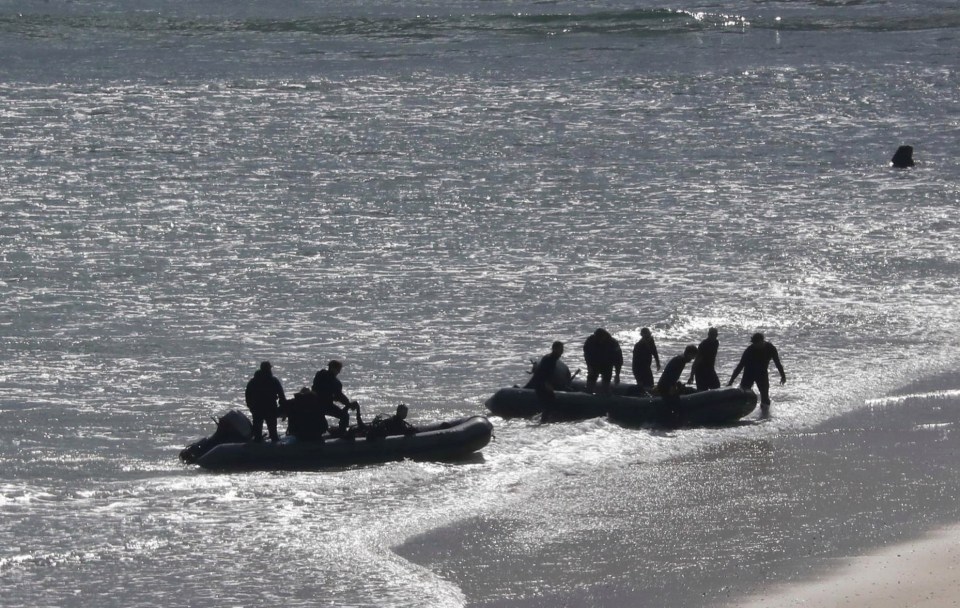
column 433, row 193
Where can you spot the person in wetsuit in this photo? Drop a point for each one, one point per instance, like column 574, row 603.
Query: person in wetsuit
column 603, row 356
column 304, row 419
column 542, row 380
column 644, row 352
column 391, row 425
column 261, row 395
column 669, row 383
column 329, row 389
column 755, row 363
column 703, row 369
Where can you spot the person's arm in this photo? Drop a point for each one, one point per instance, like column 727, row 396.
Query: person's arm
column 776, row 361
column 739, row 368
column 693, row 369
column 656, row 355
column 338, row 393
column 279, row 390
column 534, row 368
column 619, row 364
column 248, row 394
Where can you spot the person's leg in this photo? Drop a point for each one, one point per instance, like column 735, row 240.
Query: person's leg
column 763, row 385
column 257, row 425
column 545, row 392
column 591, row 378
column 607, row 375
column 710, row 379
column 272, row 427
column 646, row 377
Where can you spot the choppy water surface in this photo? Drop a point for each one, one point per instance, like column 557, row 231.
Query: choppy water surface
column 432, row 196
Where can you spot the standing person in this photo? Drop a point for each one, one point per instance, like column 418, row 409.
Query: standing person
column 261, row 395
column 644, row 352
column 329, row 389
column 703, row 368
column 544, row 374
column 603, row 355
column 669, row 383
column 755, row 363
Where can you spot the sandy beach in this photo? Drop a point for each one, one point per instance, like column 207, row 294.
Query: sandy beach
column 921, row 573
column 860, row 510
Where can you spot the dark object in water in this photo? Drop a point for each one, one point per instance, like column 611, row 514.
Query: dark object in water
column 450, row 440
column 903, row 157
column 717, row 406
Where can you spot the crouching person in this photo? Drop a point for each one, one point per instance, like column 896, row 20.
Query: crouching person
column 304, row 420
column 391, row 425
column 307, row 416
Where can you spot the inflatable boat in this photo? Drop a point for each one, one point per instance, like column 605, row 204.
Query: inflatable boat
column 230, row 447
column 718, row 406
column 705, row 408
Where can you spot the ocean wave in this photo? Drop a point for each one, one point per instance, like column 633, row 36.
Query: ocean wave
column 634, row 22
column 628, row 22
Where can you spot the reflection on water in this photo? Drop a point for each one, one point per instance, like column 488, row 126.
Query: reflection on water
column 434, row 216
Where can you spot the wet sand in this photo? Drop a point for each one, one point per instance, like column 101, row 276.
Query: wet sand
column 767, row 521
column 924, row 573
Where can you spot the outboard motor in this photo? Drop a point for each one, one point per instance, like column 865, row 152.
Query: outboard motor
column 232, row 427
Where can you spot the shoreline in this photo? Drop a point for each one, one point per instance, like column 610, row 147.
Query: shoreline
column 793, row 510
column 921, row 570
column 924, row 572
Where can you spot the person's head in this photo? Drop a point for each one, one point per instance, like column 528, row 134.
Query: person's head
column 334, row 366
column 601, row 332
column 266, row 368
column 557, row 348
column 712, row 332
column 757, row 338
column 402, row 411
column 903, row 157
column 645, row 332
column 690, row 352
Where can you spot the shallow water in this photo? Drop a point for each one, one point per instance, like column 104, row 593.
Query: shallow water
column 433, row 194
column 713, row 527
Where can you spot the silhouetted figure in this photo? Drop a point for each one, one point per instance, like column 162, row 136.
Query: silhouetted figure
column 391, row 425
column 262, row 393
column 669, row 383
column 755, row 363
column 903, row 157
column 603, row 356
column 329, row 389
column 703, row 369
column 544, row 374
column 305, row 421
column 644, row 353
